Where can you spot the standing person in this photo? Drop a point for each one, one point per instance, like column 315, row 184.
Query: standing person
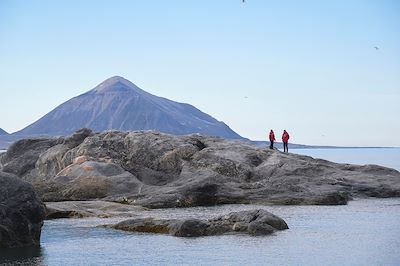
column 285, row 139
column 271, row 139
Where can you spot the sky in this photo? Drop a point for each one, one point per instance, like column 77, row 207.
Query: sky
column 310, row 67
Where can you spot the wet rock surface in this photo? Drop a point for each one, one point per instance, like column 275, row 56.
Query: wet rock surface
column 254, row 222
column 158, row 170
column 21, row 213
column 83, row 209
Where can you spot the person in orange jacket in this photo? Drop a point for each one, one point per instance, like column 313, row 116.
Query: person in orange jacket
column 285, row 139
column 271, row 139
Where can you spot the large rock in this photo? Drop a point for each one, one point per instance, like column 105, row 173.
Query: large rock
column 21, row 157
column 254, row 222
column 21, row 213
column 159, row 170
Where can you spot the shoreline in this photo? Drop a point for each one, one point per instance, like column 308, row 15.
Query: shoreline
column 107, row 209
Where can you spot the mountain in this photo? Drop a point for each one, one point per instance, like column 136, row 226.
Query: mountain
column 119, row 104
column 3, row 132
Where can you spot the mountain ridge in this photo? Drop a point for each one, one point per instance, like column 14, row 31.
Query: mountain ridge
column 119, row 104
column 3, row 132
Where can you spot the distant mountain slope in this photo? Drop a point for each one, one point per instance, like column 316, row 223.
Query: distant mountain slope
column 119, row 104
column 3, row 132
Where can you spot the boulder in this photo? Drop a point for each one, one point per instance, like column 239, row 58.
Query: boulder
column 21, row 213
column 89, row 180
column 20, row 159
column 254, row 222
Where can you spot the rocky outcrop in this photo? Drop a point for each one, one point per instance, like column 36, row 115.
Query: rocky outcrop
column 158, row 170
column 22, row 156
column 254, row 222
column 21, row 213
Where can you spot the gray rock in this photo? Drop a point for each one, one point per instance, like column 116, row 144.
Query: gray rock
column 81, row 209
column 22, row 156
column 21, row 213
column 77, row 137
column 254, row 222
column 190, row 228
column 145, row 225
column 157, row 170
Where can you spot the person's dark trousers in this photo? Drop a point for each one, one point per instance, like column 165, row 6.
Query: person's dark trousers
column 271, row 145
column 285, row 147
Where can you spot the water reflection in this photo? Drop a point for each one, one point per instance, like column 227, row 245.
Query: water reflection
column 21, row 256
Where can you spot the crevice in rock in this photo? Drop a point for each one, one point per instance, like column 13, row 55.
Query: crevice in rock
column 254, row 217
column 199, row 144
column 254, row 160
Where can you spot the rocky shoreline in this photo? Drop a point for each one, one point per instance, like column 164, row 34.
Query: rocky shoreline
column 91, row 174
column 85, row 209
column 156, row 170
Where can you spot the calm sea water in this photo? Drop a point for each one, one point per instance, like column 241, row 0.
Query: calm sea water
column 389, row 157
column 364, row 232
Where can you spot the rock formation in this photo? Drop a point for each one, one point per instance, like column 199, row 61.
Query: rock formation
column 21, row 213
column 158, row 170
column 254, row 222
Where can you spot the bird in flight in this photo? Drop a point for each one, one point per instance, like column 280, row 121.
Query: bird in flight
column 376, row 48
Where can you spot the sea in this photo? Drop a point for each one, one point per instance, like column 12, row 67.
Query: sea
column 389, row 157
column 363, row 232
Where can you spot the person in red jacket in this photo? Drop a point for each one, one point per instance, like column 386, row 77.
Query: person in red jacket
column 285, row 139
column 271, row 139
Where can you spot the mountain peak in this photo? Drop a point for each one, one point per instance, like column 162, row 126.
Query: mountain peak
column 116, row 79
column 117, row 103
column 115, row 84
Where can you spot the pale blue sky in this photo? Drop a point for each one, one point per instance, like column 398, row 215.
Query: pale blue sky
column 306, row 66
